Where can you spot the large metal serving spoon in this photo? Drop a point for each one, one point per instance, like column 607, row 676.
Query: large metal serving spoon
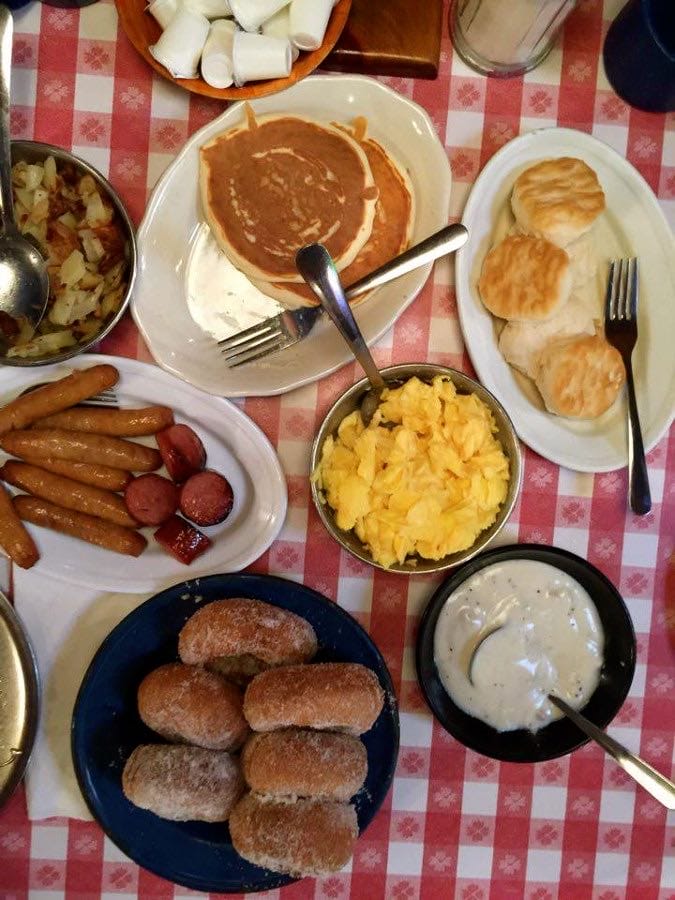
column 24, row 283
column 660, row 787
column 316, row 266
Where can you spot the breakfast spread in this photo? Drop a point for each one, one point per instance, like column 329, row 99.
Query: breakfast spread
column 73, row 461
column 350, row 194
column 535, row 281
column 513, row 633
column 79, row 233
column 301, row 767
column 428, row 485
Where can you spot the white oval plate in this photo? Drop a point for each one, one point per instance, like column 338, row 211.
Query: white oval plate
column 632, row 225
column 173, row 223
column 235, row 447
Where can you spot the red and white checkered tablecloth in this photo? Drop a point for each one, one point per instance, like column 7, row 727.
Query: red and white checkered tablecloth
column 455, row 824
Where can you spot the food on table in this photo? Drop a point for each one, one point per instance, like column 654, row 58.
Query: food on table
column 183, row 783
column 232, row 50
column 182, row 451
column 206, row 498
column 549, row 640
column 279, row 182
column 56, row 396
column 525, row 278
column 67, row 493
column 580, row 377
column 327, row 696
column 392, row 225
column 80, row 525
column 301, row 763
column 151, row 499
column 113, row 422
column 308, row 837
column 428, row 485
column 188, row 705
column 81, row 446
column 182, row 540
column 557, row 199
column 241, row 637
column 79, row 233
column 541, row 283
column 98, row 476
column 521, row 343
column 14, row 539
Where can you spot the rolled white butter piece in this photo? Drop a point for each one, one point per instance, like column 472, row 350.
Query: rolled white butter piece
column 252, row 13
column 309, row 20
column 162, row 10
column 181, row 43
column 212, row 9
column 256, row 56
column 279, row 26
column 217, row 54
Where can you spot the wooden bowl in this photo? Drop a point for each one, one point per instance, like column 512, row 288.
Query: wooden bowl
column 143, row 31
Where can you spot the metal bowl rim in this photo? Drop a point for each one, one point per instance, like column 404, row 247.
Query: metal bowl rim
column 504, row 514
column 62, row 154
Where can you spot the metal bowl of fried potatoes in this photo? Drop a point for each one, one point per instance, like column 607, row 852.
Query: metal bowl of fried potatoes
column 429, row 482
column 76, row 219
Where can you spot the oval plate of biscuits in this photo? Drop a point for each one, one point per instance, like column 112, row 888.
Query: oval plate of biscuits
column 545, row 217
column 248, row 734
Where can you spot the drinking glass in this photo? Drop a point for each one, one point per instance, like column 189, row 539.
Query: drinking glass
column 506, row 37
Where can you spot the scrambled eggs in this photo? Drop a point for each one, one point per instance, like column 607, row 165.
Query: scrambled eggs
column 428, row 485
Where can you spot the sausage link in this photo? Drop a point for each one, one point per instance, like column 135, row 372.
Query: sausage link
column 115, row 422
column 67, row 493
column 14, row 539
column 97, row 476
column 80, row 446
column 79, row 525
column 52, row 398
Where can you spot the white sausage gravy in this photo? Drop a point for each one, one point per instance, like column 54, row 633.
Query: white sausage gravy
column 549, row 640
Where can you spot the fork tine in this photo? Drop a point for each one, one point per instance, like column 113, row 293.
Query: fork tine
column 260, row 329
column 248, row 356
column 610, row 293
column 633, row 289
column 622, row 304
column 253, row 344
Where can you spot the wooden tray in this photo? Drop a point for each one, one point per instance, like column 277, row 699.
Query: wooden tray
column 390, row 37
column 143, row 31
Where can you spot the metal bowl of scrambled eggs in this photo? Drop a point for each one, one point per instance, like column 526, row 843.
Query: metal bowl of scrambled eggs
column 429, row 483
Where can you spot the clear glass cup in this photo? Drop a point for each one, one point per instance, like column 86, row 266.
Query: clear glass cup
column 506, row 37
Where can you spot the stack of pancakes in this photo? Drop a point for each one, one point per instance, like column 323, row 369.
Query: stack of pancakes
column 278, row 183
column 530, row 278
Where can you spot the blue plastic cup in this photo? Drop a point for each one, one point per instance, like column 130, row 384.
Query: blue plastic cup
column 639, row 54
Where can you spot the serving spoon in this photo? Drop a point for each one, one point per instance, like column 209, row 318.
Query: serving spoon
column 660, row 787
column 316, row 266
column 24, row 283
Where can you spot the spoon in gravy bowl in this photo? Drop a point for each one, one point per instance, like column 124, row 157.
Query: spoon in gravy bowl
column 660, row 787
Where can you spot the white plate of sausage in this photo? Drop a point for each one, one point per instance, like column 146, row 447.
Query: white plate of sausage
column 240, row 481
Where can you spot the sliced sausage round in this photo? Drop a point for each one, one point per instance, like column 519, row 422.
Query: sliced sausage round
column 182, row 451
column 151, row 499
column 206, row 498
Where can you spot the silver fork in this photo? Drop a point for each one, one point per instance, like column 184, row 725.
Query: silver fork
column 289, row 327
column 108, row 397
column 621, row 331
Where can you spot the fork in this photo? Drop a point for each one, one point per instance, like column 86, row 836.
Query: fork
column 621, row 332
column 290, row 326
column 107, row 397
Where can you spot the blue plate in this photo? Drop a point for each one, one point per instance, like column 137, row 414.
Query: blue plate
column 106, row 728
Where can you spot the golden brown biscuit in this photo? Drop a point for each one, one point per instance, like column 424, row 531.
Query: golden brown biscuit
column 557, row 199
column 525, row 279
column 580, row 378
